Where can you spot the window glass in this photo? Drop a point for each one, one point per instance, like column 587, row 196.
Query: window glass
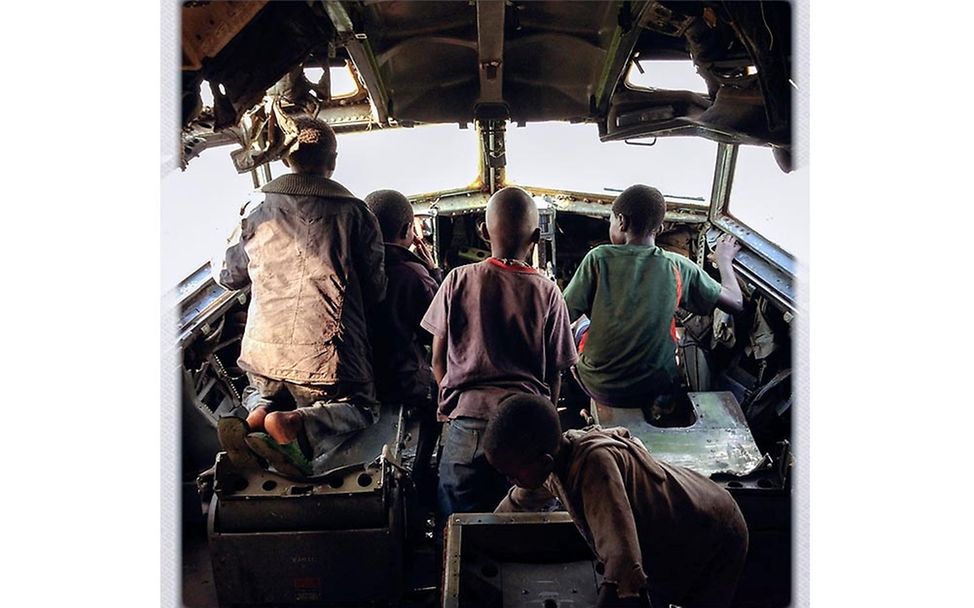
column 571, row 157
column 200, row 206
column 343, row 83
column 773, row 203
column 413, row 161
column 671, row 75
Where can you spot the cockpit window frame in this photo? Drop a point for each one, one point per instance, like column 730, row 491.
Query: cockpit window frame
column 763, row 264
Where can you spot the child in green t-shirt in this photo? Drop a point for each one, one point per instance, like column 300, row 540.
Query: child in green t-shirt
column 630, row 290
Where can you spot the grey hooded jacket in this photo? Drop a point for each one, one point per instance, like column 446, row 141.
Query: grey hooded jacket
column 313, row 256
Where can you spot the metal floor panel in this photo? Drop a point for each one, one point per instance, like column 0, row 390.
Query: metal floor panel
column 718, row 442
column 565, row 585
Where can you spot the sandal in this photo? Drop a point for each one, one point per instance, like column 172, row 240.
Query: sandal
column 232, row 433
column 287, row 459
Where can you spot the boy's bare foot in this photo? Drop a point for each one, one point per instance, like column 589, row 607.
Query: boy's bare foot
column 255, row 419
column 284, row 427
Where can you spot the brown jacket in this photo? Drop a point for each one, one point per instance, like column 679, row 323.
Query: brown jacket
column 650, row 523
column 313, row 255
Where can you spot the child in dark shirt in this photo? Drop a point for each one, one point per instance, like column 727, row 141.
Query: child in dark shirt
column 402, row 372
column 630, row 291
column 660, row 530
column 499, row 327
column 400, row 361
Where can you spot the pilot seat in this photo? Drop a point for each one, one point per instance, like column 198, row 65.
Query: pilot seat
column 331, row 539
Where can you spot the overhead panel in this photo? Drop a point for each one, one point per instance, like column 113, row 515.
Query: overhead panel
column 441, row 62
column 209, row 26
column 426, row 56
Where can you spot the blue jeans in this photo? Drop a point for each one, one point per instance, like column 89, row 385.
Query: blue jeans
column 468, row 484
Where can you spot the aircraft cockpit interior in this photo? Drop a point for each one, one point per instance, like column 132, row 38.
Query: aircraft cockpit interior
column 509, row 78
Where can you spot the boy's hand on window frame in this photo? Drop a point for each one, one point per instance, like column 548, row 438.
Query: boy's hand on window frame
column 726, row 248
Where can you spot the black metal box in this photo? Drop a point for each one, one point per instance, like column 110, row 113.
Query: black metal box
column 518, row 560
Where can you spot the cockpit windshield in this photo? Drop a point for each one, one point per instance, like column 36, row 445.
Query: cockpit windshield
column 571, row 157
column 416, row 160
column 203, row 202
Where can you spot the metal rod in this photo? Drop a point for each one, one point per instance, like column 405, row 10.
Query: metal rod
column 493, row 157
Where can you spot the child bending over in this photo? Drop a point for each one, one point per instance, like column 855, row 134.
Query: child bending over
column 660, row 530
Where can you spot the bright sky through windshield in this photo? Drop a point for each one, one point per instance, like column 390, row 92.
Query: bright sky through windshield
column 202, row 204
column 571, row 157
column 772, row 202
column 413, row 161
column 199, row 208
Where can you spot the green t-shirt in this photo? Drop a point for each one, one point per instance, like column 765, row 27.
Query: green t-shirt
column 630, row 292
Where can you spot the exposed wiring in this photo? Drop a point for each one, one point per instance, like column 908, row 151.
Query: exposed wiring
column 766, row 26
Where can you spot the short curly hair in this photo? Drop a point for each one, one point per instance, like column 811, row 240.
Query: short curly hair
column 393, row 211
column 523, row 428
column 643, row 206
column 316, row 146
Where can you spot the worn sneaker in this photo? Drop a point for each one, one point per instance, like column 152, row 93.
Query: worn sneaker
column 232, row 433
column 287, row 459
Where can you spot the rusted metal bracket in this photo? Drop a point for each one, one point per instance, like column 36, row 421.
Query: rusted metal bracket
column 197, row 137
column 493, row 157
column 723, row 177
column 342, row 118
column 620, row 49
column 357, row 45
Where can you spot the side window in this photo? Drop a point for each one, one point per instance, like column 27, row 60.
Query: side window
column 200, row 206
column 670, row 75
column 769, row 201
column 343, row 81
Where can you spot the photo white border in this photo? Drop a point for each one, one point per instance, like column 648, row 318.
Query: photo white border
column 171, row 486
